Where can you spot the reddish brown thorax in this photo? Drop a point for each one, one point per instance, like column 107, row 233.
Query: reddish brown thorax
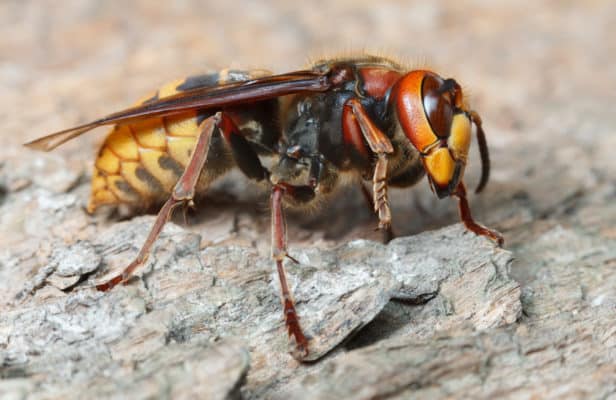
column 378, row 81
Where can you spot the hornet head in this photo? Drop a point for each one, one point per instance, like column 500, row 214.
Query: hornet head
column 432, row 113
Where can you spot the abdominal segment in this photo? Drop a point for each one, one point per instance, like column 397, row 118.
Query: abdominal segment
column 139, row 164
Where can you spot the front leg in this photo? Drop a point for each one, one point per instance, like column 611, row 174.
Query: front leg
column 388, row 233
column 379, row 192
column 380, row 145
column 469, row 222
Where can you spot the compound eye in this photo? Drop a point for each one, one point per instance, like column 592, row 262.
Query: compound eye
column 437, row 101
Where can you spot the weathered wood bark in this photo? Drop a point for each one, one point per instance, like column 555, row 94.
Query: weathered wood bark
column 438, row 314
column 563, row 347
column 187, row 298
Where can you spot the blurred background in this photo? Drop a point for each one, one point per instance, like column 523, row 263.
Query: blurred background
column 541, row 74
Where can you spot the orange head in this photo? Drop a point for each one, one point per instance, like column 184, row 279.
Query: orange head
column 433, row 116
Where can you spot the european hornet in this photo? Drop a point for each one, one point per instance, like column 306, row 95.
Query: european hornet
column 366, row 117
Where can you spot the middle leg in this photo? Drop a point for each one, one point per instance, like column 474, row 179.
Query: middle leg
column 279, row 253
column 381, row 146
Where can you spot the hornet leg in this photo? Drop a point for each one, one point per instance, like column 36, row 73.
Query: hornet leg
column 388, row 235
column 183, row 193
column 467, row 218
column 279, row 253
column 184, row 190
column 381, row 145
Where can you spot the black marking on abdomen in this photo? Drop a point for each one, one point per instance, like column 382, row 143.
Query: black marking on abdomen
column 168, row 163
column 199, row 81
column 153, row 183
column 127, row 189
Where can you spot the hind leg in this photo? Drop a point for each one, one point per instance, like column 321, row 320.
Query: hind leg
column 184, row 190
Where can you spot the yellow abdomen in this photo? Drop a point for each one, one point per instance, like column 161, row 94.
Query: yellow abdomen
column 139, row 163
